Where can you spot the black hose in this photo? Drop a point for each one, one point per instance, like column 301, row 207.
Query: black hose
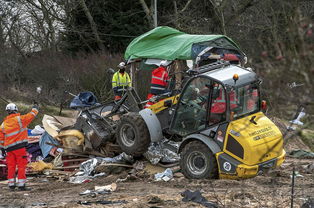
column 171, row 165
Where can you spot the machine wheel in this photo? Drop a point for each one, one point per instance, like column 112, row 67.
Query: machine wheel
column 132, row 134
column 198, row 161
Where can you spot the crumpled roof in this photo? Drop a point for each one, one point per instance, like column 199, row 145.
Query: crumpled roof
column 170, row 44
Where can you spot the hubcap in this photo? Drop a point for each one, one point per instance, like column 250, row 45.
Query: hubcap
column 127, row 135
column 196, row 163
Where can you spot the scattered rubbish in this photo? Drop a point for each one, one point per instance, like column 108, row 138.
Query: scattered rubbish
column 102, row 202
column 57, row 162
column 89, row 193
column 167, row 175
column 88, row 167
column 138, row 165
column 39, row 204
column 302, row 154
column 127, row 178
column 38, row 130
column 297, row 120
column 34, row 152
column 308, row 204
column 154, row 200
column 94, row 193
column 178, row 175
column 110, row 188
column 308, row 168
column 197, row 197
column 84, row 178
column 297, row 174
column 44, row 180
column 291, row 128
column 164, row 151
column 40, row 166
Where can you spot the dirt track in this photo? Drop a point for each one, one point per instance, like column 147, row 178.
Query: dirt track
column 272, row 190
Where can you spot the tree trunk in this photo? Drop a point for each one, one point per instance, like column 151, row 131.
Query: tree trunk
column 92, row 24
column 148, row 13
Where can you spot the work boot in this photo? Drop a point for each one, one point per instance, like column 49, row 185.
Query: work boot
column 12, row 188
column 24, row 188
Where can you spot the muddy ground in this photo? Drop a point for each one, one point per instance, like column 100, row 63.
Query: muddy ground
column 271, row 190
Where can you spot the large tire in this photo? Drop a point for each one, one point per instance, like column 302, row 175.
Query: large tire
column 132, row 134
column 198, row 161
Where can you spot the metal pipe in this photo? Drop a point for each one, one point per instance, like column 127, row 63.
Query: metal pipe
column 155, row 13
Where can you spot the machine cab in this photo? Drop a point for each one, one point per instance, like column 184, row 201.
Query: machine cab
column 215, row 97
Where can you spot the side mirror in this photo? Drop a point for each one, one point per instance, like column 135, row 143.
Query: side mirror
column 168, row 103
column 264, row 105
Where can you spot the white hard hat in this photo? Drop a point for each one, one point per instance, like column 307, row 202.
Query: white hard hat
column 11, row 107
column 164, row 63
column 121, row 65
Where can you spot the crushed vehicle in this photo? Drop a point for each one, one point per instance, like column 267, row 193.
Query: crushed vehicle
column 217, row 116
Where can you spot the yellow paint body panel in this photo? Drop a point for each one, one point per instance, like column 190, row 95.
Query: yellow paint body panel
column 261, row 142
column 247, row 171
column 159, row 106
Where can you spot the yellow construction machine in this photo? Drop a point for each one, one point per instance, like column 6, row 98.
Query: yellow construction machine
column 218, row 119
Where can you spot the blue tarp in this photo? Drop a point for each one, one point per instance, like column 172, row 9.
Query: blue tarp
column 83, row 99
column 45, row 148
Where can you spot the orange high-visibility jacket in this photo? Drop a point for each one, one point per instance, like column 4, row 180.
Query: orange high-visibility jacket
column 13, row 131
column 159, row 81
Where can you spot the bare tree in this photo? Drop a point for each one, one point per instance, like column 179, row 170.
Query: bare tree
column 92, row 23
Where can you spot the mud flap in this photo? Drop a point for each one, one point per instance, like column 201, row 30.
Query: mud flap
column 152, row 124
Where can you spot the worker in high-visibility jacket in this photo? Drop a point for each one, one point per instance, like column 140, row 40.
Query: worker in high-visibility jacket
column 13, row 138
column 159, row 82
column 120, row 82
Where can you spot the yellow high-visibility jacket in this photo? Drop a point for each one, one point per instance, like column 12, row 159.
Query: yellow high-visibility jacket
column 120, row 82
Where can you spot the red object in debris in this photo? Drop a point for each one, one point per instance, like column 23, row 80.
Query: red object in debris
column 230, row 57
column 3, row 169
column 87, row 181
column 70, row 163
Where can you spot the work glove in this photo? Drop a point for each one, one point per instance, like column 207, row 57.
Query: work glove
column 36, row 105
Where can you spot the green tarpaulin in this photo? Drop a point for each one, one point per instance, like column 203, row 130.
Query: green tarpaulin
column 170, row 44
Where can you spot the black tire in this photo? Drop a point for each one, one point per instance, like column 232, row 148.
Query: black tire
column 198, row 161
column 132, row 134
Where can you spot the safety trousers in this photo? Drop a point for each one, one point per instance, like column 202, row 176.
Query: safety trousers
column 17, row 158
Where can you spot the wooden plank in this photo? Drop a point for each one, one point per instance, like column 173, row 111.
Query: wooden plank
column 116, row 164
column 66, row 167
column 105, row 164
column 75, row 160
column 75, row 151
column 75, row 154
column 59, row 172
